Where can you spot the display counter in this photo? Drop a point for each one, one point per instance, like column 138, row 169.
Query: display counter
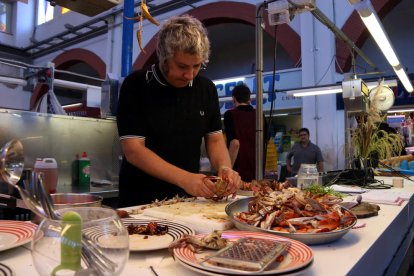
column 377, row 247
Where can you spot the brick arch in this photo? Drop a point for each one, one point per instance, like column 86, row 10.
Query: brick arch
column 67, row 59
column 230, row 12
column 356, row 31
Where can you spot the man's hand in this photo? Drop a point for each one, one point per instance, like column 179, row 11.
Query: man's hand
column 196, row 185
column 232, row 178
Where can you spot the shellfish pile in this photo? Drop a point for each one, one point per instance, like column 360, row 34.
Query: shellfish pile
column 295, row 211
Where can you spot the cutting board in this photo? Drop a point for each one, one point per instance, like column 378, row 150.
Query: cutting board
column 204, row 216
column 365, row 210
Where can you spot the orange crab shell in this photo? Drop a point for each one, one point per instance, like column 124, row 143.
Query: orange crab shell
column 221, row 186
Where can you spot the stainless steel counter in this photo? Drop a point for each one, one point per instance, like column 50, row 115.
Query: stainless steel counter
column 106, row 191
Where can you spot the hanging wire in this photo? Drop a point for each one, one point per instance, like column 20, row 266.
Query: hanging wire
column 327, row 69
column 272, row 91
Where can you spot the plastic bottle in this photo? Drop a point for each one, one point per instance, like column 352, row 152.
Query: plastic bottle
column 84, row 170
column 49, row 168
column 307, row 176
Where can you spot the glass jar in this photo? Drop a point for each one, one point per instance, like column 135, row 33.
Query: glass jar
column 55, row 251
column 307, row 176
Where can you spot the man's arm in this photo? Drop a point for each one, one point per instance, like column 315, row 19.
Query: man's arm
column 220, row 159
column 319, row 159
column 145, row 159
column 217, row 151
column 234, row 150
column 320, row 166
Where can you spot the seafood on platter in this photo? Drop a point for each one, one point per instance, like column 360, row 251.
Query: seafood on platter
column 152, row 229
column 255, row 185
column 295, row 211
column 196, row 244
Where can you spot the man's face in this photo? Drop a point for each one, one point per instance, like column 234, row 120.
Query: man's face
column 303, row 137
column 182, row 68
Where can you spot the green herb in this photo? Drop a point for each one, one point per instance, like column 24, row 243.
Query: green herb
column 317, row 189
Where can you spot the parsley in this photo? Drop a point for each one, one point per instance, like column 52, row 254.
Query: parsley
column 317, row 189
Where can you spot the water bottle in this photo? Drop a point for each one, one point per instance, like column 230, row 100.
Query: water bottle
column 307, row 175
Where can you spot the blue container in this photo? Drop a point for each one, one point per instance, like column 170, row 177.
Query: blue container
column 404, row 165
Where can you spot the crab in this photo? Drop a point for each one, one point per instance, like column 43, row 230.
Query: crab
column 221, row 187
column 196, row 244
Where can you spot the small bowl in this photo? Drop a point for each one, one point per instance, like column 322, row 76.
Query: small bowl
column 241, row 205
column 70, row 200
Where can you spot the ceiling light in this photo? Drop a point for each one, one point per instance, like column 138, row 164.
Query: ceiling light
column 317, row 90
column 226, row 81
column 400, row 110
column 332, row 89
column 73, row 105
column 406, row 82
column 374, row 26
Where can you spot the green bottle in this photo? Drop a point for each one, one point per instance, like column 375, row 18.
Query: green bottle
column 84, row 170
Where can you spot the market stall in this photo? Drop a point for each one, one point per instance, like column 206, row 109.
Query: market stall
column 376, row 246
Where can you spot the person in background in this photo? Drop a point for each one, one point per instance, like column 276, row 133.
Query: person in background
column 304, row 152
column 240, row 129
column 163, row 114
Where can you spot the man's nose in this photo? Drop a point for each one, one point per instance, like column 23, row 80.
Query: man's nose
column 190, row 73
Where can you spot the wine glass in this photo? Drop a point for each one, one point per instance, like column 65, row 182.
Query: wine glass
column 56, row 246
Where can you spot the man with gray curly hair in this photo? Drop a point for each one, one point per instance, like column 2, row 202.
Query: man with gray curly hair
column 163, row 114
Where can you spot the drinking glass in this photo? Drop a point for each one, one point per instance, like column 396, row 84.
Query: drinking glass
column 55, row 252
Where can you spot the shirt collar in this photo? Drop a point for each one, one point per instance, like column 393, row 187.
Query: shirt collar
column 155, row 73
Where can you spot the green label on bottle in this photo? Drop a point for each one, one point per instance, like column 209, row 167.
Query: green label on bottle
column 84, row 172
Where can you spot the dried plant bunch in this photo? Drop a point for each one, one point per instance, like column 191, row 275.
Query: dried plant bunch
column 368, row 140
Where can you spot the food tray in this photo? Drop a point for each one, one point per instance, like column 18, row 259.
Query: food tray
column 247, row 254
column 241, row 205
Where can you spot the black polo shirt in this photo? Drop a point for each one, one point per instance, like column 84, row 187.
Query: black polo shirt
column 172, row 121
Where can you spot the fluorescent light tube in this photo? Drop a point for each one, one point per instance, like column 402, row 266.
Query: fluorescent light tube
column 377, row 32
column 315, row 91
column 389, row 83
column 406, row 82
column 400, row 110
column 374, row 26
column 332, row 89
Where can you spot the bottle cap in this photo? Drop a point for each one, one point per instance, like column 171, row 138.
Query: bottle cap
column 84, row 155
column 45, row 163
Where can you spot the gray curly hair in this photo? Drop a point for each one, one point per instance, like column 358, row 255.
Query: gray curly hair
column 183, row 34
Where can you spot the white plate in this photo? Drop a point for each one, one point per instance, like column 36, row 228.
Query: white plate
column 298, row 256
column 147, row 242
column 15, row 233
column 5, row 270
